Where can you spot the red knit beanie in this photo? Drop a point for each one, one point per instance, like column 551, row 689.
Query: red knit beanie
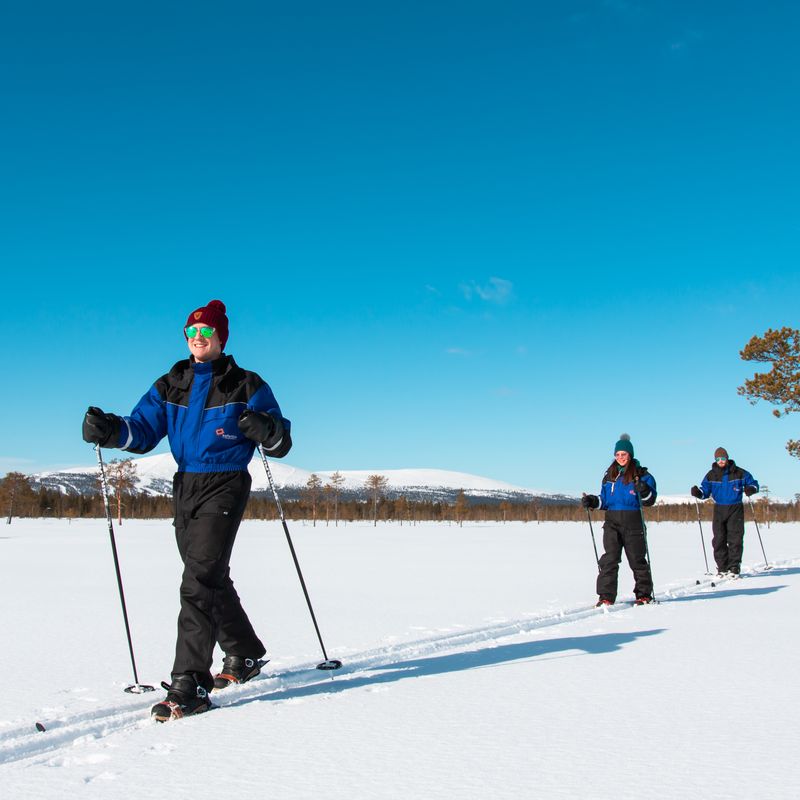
column 212, row 314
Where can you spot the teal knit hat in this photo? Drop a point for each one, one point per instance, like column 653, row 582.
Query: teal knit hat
column 625, row 444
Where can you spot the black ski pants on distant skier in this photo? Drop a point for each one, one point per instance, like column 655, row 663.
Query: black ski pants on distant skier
column 208, row 508
column 728, row 540
column 622, row 530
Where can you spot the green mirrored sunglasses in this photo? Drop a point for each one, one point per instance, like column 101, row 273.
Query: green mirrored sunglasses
column 206, row 331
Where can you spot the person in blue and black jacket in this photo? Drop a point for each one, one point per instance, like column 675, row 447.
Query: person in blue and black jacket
column 214, row 413
column 627, row 486
column 726, row 483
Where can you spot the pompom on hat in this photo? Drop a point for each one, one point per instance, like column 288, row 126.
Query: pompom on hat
column 720, row 452
column 625, row 444
column 213, row 314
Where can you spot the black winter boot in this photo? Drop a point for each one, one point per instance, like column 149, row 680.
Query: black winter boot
column 237, row 669
column 184, row 698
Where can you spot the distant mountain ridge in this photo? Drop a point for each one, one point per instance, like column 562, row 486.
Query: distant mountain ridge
column 155, row 477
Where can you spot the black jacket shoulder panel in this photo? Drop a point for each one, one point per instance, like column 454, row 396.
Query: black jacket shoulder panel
column 235, row 385
column 715, row 474
column 231, row 383
column 173, row 387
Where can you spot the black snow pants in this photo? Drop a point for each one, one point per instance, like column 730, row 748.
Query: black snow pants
column 208, row 508
column 623, row 530
column 728, row 541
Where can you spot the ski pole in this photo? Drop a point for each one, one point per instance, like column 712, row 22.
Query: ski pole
column 647, row 550
column 753, row 509
column 594, row 544
column 136, row 688
column 702, row 540
column 328, row 663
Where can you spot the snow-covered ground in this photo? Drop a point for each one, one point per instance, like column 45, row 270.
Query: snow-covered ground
column 474, row 667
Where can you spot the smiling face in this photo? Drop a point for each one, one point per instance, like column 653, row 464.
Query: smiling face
column 202, row 348
column 622, row 457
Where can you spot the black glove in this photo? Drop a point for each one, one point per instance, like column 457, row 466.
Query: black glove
column 696, row 492
column 261, row 427
column 643, row 488
column 101, row 428
column 590, row 501
column 750, row 490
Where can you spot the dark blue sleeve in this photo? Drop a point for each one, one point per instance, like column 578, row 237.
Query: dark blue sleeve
column 604, row 495
column 651, row 482
column 264, row 400
column 146, row 426
column 705, row 487
column 749, row 480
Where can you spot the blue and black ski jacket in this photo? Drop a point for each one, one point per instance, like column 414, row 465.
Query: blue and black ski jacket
column 726, row 486
column 197, row 406
column 616, row 495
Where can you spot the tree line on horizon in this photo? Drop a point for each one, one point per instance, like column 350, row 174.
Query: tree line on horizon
column 19, row 497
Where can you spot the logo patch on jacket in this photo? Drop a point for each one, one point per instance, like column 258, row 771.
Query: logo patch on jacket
column 221, row 432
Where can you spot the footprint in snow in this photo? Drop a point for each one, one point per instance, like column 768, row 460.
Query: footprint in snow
column 160, row 749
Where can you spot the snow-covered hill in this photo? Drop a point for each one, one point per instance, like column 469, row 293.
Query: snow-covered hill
column 155, row 477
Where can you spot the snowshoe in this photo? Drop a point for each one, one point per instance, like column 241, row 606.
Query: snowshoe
column 237, row 669
column 184, row 698
column 603, row 602
column 643, row 601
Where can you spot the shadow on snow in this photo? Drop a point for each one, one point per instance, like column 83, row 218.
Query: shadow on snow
column 716, row 594
column 772, row 571
column 458, row 662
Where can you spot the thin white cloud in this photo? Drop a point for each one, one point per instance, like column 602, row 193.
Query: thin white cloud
column 497, row 291
column 457, row 351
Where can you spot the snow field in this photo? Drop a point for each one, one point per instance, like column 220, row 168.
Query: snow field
column 473, row 665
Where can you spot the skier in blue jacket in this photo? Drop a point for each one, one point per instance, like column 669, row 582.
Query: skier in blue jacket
column 214, row 413
column 727, row 483
column 626, row 487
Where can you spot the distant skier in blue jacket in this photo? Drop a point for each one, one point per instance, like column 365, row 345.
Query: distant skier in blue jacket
column 627, row 486
column 214, row 414
column 727, row 483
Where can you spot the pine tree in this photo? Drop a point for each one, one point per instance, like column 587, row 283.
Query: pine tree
column 376, row 484
column 17, row 494
column 460, row 507
column 335, row 481
column 781, row 385
column 313, row 488
column 122, row 478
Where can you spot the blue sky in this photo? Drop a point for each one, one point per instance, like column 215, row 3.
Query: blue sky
column 478, row 236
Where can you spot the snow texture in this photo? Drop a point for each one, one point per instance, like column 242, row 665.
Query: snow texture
column 474, row 666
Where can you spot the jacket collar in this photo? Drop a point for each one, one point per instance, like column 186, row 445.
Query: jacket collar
column 729, row 467
column 182, row 372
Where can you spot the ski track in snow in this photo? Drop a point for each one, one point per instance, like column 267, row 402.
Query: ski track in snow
column 23, row 743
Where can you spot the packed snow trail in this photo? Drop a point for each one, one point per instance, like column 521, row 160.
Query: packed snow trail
column 25, row 742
